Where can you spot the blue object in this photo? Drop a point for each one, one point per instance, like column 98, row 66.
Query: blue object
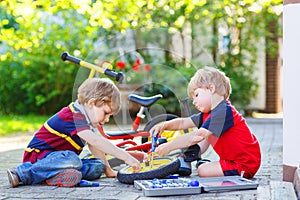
column 155, row 181
column 154, row 140
column 157, row 186
column 172, row 177
column 85, row 183
column 194, row 183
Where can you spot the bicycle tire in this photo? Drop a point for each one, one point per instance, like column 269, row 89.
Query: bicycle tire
column 114, row 162
column 156, row 120
column 126, row 176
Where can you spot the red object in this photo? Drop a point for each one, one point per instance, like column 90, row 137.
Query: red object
column 123, row 135
column 136, row 123
column 148, row 68
column 138, row 61
column 138, row 155
column 121, row 65
column 135, row 67
column 123, row 143
column 142, row 147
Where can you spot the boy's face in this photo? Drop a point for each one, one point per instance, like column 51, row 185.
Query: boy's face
column 202, row 98
column 99, row 115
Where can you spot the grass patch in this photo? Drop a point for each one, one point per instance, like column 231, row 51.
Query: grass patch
column 13, row 124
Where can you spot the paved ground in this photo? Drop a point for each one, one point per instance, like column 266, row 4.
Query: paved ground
column 271, row 186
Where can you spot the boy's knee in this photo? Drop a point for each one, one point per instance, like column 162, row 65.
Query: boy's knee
column 92, row 168
column 74, row 158
column 98, row 171
column 204, row 171
column 200, row 171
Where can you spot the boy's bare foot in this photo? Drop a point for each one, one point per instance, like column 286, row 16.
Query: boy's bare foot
column 111, row 173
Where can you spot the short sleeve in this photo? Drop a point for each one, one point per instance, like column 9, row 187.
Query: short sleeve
column 197, row 119
column 220, row 120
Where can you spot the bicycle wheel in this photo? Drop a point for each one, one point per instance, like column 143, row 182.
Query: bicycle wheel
column 114, row 162
column 156, row 120
column 161, row 167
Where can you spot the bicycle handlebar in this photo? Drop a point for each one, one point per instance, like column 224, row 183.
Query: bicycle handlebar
column 104, row 69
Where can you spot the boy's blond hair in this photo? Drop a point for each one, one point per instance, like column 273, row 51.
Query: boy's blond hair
column 103, row 90
column 203, row 78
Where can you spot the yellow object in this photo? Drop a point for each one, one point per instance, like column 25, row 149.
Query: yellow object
column 94, row 68
column 156, row 163
column 171, row 135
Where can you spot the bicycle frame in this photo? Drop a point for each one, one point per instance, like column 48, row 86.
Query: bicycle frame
column 127, row 136
column 136, row 150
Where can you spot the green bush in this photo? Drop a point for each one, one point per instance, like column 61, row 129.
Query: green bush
column 33, row 34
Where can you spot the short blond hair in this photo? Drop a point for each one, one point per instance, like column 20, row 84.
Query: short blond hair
column 210, row 75
column 103, row 90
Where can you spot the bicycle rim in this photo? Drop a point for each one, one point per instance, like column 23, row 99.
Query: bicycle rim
column 161, row 167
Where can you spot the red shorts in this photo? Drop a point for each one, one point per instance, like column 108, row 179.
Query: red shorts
column 231, row 168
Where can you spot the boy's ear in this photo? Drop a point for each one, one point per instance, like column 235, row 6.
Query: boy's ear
column 91, row 102
column 212, row 88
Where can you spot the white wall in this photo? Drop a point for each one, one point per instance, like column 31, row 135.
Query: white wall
column 291, row 84
column 259, row 102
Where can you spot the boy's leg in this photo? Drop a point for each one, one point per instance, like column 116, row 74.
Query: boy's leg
column 92, row 168
column 48, row 167
column 210, row 169
column 218, row 168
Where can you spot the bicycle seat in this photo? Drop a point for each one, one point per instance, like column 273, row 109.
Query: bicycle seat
column 144, row 101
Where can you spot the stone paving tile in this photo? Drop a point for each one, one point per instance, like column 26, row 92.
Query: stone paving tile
column 268, row 132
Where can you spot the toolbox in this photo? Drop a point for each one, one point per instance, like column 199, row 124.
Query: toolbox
column 195, row 185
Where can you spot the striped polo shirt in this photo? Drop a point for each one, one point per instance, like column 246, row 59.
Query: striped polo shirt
column 58, row 133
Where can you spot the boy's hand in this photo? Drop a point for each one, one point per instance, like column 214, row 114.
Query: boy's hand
column 163, row 149
column 134, row 163
column 157, row 130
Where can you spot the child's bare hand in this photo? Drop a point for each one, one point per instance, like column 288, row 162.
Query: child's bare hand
column 134, row 163
column 163, row 149
column 157, row 130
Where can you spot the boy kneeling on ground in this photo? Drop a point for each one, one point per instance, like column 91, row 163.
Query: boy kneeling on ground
column 53, row 153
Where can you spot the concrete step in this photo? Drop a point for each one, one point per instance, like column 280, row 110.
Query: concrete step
column 277, row 190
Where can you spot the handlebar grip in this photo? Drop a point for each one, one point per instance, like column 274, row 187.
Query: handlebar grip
column 66, row 56
column 118, row 76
